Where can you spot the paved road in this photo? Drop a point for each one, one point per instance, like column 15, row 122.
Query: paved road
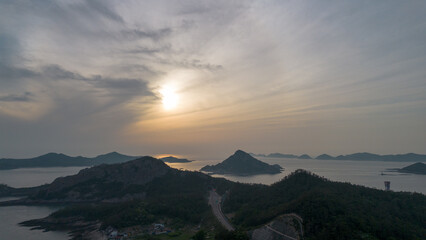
column 280, row 233
column 214, row 201
column 295, row 216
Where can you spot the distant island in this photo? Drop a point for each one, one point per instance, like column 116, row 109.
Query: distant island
column 172, row 159
column 280, row 155
column 62, row 160
column 416, row 168
column 325, row 157
column 408, row 157
column 304, row 156
column 242, row 163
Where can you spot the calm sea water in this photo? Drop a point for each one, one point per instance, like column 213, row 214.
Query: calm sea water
column 10, row 217
column 366, row 173
column 30, row 177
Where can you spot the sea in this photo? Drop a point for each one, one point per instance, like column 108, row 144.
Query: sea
column 366, row 173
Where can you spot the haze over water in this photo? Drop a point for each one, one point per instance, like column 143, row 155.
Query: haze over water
column 366, row 173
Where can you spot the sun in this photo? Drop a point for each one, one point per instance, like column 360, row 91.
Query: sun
column 170, row 98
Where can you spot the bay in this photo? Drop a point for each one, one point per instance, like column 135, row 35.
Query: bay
column 30, row 177
column 11, row 216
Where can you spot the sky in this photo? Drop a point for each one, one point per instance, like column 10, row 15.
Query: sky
column 205, row 78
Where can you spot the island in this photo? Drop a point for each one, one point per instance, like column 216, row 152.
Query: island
column 325, row 157
column 171, row 159
column 242, row 163
column 416, row 168
column 361, row 156
column 365, row 156
column 62, row 160
column 281, row 155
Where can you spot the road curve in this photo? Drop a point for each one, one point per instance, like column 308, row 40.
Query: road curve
column 280, row 233
column 214, row 201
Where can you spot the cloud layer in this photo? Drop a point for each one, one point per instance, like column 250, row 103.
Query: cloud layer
column 84, row 77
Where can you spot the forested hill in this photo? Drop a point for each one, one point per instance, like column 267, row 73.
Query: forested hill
column 62, row 160
column 115, row 183
column 331, row 210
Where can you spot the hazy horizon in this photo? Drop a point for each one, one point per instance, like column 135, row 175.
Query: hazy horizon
column 205, row 78
column 218, row 156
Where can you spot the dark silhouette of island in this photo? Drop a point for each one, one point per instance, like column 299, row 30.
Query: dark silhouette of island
column 408, row 157
column 242, row 163
column 281, row 155
column 416, row 168
column 304, row 156
column 62, row 160
column 325, row 157
column 172, row 159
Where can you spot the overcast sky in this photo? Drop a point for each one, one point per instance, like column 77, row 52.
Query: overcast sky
column 90, row 77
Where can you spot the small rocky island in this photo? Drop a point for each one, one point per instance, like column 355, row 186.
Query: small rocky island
column 242, row 163
column 172, row 159
column 416, row 168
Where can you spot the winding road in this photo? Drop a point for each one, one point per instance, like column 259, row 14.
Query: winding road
column 215, row 201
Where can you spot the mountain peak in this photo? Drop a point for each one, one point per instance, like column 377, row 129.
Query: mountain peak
column 241, row 153
column 52, row 155
column 242, row 163
column 111, row 154
column 138, row 171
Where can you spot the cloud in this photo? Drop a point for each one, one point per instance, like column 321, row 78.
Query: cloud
column 56, row 72
column 153, row 35
column 103, row 9
column 143, row 50
column 198, row 64
column 96, row 65
column 25, row 97
column 10, row 73
column 129, row 86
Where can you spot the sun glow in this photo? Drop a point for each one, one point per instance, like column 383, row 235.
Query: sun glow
column 169, row 98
